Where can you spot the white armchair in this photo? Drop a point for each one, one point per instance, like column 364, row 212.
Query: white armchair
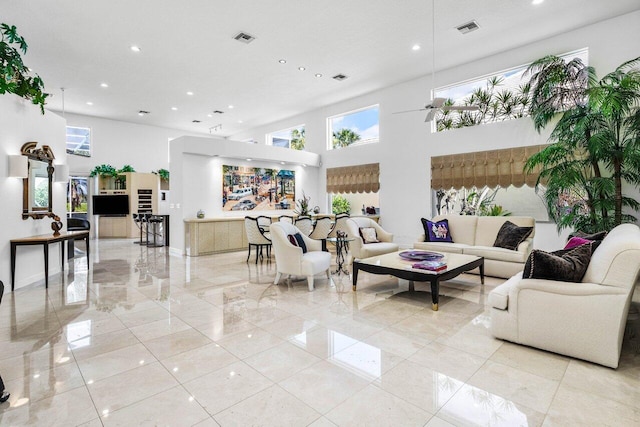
column 359, row 249
column 585, row 320
column 291, row 260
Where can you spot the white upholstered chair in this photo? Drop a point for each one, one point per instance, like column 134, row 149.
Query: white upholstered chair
column 359, row 249
column 584, row 320
column 291, row 260
column 305, row 225
column 256, row 237
column 321, row 230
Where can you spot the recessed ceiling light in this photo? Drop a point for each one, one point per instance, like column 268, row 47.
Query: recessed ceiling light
column 104, row 85
column 189, row 93
column 174, row 108
column 135, row 48
column 536, row 2
column 415, row 47
column 89, row 103
column 239, row 121
column 230, row 107
column 282, row 163
column 282, row 61
column 318, row 75
column 248, row 160
column 209, row 115
column 304, row 166
column 301, row 68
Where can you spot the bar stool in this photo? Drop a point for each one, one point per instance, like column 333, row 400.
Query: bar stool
column 152, row 224
column 141, row 222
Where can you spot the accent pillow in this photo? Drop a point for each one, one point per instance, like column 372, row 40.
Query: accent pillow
column 369, row 234
column 297, row 241
column 564, row 265
column 510, row 236
column 593, row 236
column 301, row 243
column 436, row 231
column 576, row 241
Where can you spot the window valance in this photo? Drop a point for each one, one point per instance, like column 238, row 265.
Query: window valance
column 354, row 179
column 491, row 168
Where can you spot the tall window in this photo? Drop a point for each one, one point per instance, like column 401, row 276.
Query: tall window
column 79, row 141
column 500, row 96
column 288, row 138
column 354, row 128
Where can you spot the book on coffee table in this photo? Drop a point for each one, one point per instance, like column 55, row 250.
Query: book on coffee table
column 438, row 265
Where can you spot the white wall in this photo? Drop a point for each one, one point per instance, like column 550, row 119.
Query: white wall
column 407, row 144
column 22, row 122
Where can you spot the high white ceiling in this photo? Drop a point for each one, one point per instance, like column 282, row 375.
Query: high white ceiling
column 189, row 46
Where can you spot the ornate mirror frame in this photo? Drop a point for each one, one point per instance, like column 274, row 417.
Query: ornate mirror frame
column 45, row 155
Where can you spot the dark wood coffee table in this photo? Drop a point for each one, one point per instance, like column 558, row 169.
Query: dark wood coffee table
column 394, row 265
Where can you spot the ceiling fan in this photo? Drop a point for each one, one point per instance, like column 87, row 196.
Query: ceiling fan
column 437, row 104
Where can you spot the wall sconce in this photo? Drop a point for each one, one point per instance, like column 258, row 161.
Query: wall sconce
column 61, row 173
column 18, row 166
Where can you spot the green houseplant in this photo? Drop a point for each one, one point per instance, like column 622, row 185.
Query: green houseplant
column 104, row 170
column 163, row 174
column 595, row 142
column 340, row 205
column 15, row 77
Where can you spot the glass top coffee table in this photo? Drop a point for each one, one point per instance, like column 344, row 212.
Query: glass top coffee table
column 394, row 265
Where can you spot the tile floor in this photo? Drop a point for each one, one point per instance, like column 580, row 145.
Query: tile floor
column 145, row 338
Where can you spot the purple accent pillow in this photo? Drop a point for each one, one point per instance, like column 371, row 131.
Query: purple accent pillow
column 436, row 231
column 292, row 239
column 576, row 241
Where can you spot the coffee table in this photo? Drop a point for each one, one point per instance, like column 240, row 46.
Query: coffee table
column 394, row 265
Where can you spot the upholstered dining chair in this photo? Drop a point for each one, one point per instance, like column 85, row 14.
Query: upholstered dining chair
column 305, row 224
column 340, row 224
column 293, row 260
column 286, row 218
column 256, row 237
column 321, row 231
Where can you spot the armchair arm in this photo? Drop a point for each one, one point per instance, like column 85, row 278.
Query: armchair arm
column 526, row 246
column 565, row 288
column 383, row 235
column 288, row 258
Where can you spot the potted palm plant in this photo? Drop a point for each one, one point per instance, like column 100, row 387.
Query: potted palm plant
column 595, row 142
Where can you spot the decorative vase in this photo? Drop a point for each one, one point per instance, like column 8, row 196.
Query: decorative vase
column 200, row 214
column 56, row 225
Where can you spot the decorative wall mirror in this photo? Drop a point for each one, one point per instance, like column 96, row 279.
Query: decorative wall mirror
column 37, row 192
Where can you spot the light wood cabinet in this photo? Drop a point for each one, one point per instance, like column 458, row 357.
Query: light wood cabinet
column 208, row 236
column 142, row 189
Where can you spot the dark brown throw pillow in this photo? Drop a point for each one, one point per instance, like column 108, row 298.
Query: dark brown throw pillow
column 593, row 236
column 563, row 265
column 510, row 236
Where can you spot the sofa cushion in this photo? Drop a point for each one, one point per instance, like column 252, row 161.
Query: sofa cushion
column 589, row 236
column 375, row 249
column 436, row 231
column 489, row 226
column 461, row 227
column 455, row 248
column 510, row 235
column 500, row 254
column 566, row 265
column 576, row 241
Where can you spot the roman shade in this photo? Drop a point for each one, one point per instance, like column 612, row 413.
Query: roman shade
column 491, row 168
column 354, row 179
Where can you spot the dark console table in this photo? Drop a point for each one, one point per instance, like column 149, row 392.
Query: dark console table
column 45, row 240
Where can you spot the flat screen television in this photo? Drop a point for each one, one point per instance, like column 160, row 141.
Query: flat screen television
column 112, row 204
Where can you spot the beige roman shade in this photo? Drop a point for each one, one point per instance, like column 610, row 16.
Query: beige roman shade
column 354, row 179
column 490, row 168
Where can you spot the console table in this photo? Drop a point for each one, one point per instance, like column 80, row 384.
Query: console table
column 45, row 240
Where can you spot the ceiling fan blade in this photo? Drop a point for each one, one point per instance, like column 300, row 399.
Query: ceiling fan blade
column 438, row 102
column 430, row 115
column 410, row 111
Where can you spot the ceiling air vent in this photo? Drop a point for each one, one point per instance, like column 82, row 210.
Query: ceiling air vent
column 244, row 37
column 340, row 77
column 468, row 27
column 218, row 112
column 195, row 121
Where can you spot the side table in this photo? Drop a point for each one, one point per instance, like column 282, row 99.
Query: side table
column 342, row 245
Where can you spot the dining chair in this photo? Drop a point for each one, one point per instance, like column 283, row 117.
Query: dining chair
column 305, row 224
column 256, row 237
column 321, row 230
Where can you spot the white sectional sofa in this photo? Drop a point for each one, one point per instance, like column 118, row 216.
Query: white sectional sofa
column 475, row 235
column 585, row 319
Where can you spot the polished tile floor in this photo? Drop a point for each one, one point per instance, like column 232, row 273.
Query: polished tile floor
column 144, row 338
